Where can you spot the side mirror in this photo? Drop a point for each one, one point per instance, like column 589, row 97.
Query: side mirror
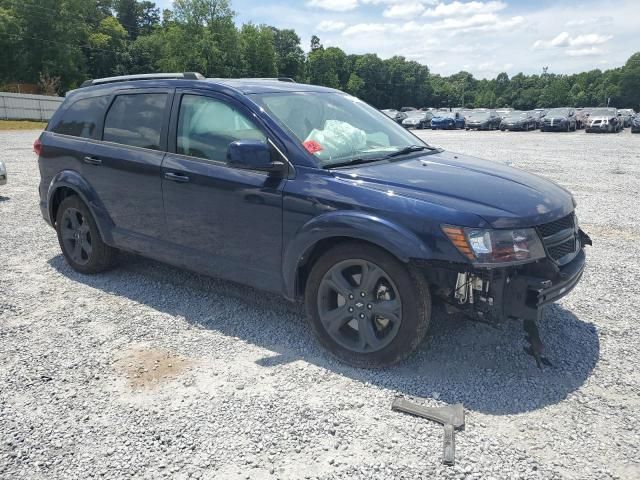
column 252, row 155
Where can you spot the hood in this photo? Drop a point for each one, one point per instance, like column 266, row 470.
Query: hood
column 556, row 118
column 503, row 196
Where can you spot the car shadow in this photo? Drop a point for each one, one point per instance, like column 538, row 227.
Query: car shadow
column 480, row 365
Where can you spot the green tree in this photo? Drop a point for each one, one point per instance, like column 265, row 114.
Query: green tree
column 290, row 58
column 355, row 85
column 107, row 55
column 328, row 67
column 258, row 49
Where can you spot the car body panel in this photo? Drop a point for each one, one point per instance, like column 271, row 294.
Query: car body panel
column 3, row 173
column 257, row 228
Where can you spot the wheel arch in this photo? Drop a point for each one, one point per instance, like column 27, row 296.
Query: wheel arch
column 69, row 182
column 325, row 232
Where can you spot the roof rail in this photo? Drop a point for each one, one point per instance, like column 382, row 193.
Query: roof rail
column 274, row 79
column 144, row 76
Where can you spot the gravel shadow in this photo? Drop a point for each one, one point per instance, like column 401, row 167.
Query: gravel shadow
column 460, row 361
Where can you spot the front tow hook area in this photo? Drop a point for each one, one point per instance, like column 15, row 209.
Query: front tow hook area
column 535, row 347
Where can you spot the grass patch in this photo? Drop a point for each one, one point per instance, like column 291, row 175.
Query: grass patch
column 21, row 125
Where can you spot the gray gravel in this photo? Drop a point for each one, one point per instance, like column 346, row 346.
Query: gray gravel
column 153, row 372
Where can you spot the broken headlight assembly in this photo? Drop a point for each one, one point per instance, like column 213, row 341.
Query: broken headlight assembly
column 494, row 247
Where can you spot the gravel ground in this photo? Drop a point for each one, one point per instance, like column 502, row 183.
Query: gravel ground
column 153, row 372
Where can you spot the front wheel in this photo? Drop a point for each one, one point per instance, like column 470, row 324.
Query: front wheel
column 80, row 239
column 365, row 306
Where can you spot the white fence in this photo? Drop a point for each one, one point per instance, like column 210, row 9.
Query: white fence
column 21, row 106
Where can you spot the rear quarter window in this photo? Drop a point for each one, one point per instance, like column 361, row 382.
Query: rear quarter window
column 81, row 119
column 136, row 120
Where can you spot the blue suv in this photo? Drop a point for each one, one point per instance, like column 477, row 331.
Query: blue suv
column 309, row 193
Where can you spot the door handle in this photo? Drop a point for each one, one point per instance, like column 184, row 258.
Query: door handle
column 176, row 177
column 92, row 161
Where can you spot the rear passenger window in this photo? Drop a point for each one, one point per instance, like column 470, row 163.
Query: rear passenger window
column 207, row 126
column 136, row 120
column 82, row 117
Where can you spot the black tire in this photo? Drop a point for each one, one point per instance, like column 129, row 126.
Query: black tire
column 82, row 236
column 407, row 285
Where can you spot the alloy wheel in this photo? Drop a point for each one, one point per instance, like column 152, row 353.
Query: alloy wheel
column 359, row 306
column 76, row 236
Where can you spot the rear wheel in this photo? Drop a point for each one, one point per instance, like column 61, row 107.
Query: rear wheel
column 80, row 239
column 366, row 307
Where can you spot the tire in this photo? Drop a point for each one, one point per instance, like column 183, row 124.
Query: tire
column 392, row 340
column 80, row 240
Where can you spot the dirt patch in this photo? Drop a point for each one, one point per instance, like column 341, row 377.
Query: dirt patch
column 148, row 368
column 21, row 125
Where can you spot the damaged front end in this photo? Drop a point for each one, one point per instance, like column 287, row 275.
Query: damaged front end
column 540, row 266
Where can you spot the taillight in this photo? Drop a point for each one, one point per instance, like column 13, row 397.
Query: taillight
column 37, row 147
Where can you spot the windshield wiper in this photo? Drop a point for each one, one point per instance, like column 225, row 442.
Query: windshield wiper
column 355, row 161
column 407, row 150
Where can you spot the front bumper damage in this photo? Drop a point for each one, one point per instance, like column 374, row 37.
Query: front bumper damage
column 498, row 293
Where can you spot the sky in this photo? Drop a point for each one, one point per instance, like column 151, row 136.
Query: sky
column 484, row 37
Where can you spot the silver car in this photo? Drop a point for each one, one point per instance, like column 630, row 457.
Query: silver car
column 3, row 173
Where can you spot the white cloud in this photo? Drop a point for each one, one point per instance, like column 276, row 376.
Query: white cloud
column 585, row 52
column 361, row 28
column 460, row 9
column 603, row 21
column 334, row 5
column 589, row 39
column 564, row 39
column 330, row 26
column 485, row 22
column 404, row 10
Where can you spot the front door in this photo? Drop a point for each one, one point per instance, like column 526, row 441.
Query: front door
column 225, row 221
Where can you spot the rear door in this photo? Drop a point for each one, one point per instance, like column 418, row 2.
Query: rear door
column 123, row 165
column 225, row 221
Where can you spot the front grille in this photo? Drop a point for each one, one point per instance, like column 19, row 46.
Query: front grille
column 552, row 228
column 558, row 251
column 559, row 239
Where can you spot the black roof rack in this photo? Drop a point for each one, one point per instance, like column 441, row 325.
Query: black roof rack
column 144, row 76
column 274, row 79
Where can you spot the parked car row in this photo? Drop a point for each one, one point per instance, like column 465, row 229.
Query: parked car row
column 563, row 119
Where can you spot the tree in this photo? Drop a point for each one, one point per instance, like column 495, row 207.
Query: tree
column 315, row 43
column 630, row 82
column 289, row 56
column 258, row 50
column 148, row 17
column 328, row 67
column 107, row 55
column 355, row 85
column 127, row 15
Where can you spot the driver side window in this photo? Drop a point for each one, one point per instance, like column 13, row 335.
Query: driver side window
column 206, row 127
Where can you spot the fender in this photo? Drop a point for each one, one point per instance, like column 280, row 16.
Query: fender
column 73, row 180
column 396, row 239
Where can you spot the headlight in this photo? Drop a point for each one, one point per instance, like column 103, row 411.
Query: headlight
column 488, row 246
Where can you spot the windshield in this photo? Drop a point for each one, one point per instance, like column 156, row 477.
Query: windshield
column 479, row 115
column 517, row 115
column 416, row 114
column 558, row 111
column 445, row 115
column 335, row 127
